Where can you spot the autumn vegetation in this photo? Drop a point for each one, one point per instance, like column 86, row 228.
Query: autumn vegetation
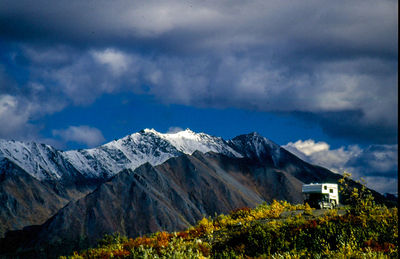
column 361, row 229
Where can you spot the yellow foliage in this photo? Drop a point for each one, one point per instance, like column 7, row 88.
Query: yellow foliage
column 265, row 223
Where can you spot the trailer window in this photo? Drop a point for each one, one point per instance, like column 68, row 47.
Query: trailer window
column 331, row 190
column 325, row 187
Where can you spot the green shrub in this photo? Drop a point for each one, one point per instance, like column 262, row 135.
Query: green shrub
column 366, row 230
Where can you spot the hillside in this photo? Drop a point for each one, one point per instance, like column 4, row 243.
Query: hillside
column 275, row 230
column 64, row 176
column 55, row 215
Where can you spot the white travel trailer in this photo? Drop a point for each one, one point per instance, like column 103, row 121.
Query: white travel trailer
column 321, row 195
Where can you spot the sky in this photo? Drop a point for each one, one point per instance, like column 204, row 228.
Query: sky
column 317, row 77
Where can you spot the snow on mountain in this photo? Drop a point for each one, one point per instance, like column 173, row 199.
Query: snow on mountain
column 188, row 141
column 44, row 162
column 147, row 145
column 128, row 152
column 40, row 160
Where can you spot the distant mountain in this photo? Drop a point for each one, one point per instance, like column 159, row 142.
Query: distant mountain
column 68, row 175
column 142, row 183
column 41, row 161
column 146, row 146
column 44, row 162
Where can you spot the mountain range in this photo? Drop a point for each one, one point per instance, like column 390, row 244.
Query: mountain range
column 54, row 202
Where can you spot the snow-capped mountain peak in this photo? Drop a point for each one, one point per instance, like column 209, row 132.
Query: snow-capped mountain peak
column 187, row 141
column 148, row 145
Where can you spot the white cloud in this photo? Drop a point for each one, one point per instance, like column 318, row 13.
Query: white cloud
column 116, row 60
column 174, row 129
column 56, row 55
column 18, row 112
column 12, row 118
column 7, row 102
column 321, row 154
column 377, row 164
column 85, row 77
column 21, row 106
column 309, row 146
column 81, row 134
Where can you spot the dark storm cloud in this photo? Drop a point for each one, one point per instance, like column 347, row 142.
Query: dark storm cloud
column 377, row 164
column 332, row 62
column 377, row 160
column 352, row 125
column 321, row 26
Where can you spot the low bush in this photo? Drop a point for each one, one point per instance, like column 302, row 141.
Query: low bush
column 276, row 230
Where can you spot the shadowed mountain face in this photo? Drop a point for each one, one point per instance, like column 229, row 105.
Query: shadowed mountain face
column 72, row 174
column 170, row 196
column 68, row 175
column 27, row 201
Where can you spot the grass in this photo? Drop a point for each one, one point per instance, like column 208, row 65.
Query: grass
column 362, row 229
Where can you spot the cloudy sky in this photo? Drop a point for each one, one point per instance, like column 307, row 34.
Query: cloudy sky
column 319, row 77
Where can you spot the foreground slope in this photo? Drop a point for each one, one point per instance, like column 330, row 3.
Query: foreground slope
column 278, row 230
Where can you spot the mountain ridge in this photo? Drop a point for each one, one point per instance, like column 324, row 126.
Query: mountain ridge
column 47, row 163
column 145, row 182
column 170, row 196
column 70, row 175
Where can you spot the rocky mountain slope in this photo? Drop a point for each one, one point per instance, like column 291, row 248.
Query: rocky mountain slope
column 44, row 162
column 170, row 196
column 145, row 146
column 71, row 174
column 142, row 183
column 25, row 200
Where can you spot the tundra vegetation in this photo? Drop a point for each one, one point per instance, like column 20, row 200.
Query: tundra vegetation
column 361, row 229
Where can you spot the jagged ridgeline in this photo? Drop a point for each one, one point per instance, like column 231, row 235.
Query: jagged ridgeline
column 53, row 202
